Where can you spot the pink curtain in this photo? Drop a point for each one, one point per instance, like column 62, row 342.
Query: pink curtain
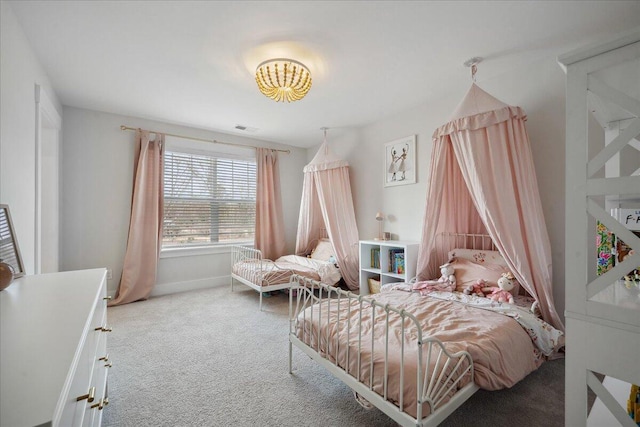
column 145, row 227
column 269, row 218
column 486, row 158
column 327, row 203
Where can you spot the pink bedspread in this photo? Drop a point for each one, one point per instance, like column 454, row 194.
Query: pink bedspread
column 267, row 272
column 502, row 351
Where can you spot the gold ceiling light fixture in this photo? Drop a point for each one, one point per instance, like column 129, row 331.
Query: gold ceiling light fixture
column 283, row 79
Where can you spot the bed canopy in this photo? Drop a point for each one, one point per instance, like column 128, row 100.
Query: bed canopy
column 482, row 180
column 327, row 204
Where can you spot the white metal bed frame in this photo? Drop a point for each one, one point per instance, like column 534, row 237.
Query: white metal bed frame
column 268, row 276
column 258, row 279
column 432, row 386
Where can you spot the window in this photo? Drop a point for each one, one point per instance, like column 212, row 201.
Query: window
column 208, row 199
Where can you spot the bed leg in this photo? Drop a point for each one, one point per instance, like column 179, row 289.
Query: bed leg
column 290, row 357
column 232, row 284
column 260, row 300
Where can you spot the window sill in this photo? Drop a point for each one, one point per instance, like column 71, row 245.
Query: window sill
column 176, row 252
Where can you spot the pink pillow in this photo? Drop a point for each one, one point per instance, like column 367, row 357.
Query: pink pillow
column 468, row 272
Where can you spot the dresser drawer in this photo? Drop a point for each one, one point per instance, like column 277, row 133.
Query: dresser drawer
column 86, row 385
column 93, row 412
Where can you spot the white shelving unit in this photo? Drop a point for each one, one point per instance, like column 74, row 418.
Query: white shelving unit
column 602, row 315
column 384, row 272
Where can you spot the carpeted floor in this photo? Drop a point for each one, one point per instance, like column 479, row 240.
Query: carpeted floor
column 211, row 358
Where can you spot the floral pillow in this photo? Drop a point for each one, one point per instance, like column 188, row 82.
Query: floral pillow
column 478, row 256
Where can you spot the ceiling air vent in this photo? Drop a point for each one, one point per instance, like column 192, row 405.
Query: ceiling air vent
column 246, row 128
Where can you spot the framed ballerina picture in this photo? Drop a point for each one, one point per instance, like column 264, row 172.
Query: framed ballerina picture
column 400, row 161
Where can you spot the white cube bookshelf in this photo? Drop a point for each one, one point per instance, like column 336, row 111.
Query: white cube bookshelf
column 385, row 271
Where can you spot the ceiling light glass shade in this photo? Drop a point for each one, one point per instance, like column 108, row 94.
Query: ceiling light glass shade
column 283, row 79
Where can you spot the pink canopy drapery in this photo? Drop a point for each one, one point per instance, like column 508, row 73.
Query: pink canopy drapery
column 483, row 180
column 327, row 204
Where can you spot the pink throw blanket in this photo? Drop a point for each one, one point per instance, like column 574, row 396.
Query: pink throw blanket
column 502, row 351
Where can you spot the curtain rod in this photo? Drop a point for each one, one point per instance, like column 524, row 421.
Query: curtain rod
column 123, row 127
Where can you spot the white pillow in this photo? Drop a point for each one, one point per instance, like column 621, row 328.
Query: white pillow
column 323, row 251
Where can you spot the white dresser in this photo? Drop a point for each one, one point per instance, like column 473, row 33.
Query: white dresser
column 53, row 350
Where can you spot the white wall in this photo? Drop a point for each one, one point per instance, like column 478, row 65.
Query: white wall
column 97, row 167
column 97, row 183
column 539, row 88
column 20, row 71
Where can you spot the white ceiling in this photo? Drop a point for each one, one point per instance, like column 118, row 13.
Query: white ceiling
column 191, row 63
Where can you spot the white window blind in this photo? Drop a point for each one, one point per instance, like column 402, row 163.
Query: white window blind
column 208, row 199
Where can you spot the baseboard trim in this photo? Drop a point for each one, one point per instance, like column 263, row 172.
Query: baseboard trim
column 191, row 285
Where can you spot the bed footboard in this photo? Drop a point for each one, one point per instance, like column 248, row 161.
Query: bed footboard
column 433, row 379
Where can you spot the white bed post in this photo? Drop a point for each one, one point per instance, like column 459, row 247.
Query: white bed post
column 575, row 226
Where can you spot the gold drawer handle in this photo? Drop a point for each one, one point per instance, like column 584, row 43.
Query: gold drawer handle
column 108, row 298
column 99, row 405
column 105, row 358
column 89, row 396
column 104, row 329
column 105, row 401
column 108, row 365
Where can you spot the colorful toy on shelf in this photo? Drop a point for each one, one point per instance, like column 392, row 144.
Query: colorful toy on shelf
column 632, row 279
column 633, row 404
column 605, row 243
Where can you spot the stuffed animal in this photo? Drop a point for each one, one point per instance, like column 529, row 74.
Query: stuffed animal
column 446, row 282
column 476, row 288
column 501, row 293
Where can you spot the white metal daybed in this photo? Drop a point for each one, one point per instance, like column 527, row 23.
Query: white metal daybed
column 264, row 275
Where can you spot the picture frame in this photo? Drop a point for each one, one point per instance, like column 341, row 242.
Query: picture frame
column 9, row 250
column 400, row 161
